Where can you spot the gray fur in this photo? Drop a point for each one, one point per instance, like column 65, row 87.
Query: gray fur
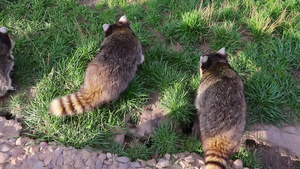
column 6, row 62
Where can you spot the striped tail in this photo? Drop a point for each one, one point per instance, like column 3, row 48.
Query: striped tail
column 215, row 160
column 216, row 152
column 74, row 104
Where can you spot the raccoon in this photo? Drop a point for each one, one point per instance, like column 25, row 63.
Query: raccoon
column 221, row 110
column 108, row 74
column 6, row 61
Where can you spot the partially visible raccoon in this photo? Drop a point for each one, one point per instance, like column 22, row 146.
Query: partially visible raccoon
column 6, row 61
column 221, row 110
column 108, row 75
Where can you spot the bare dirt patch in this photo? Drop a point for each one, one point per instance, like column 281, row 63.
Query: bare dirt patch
column 151, row 116
column 277, row 148
column 90, row 3
column 296, row 75
column 205, row 47
column 156, row 33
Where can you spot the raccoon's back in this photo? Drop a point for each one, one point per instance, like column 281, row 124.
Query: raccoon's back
column 221, row 102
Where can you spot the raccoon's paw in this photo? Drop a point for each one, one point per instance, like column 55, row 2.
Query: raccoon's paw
column 13, row 87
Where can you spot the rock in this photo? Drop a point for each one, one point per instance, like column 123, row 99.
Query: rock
column 99, row 164
column 10, row 166
column 86, row 155
column 151, row 163
column 47, row 160
column 50, row 166
column 66, row 167
column 123, row 159
column 43, row 144
column 1, row 134
column 105, row 167
column 5, row 147
column 4, row 157
column 122, row 165
column 175, row 166
column 19, row 141
column 107, row 162
column 238, row 164
column 15, row 152
column 135, row 164
column 67, row 152
column 79, row 164
column 38, row 165
column 167, row 156
column 77, row 157
column 32, row 160
column 189, row 159
column 184, row 164
column 119, row 138
column 68, row 161
column 58, row 151
column 142, row 162
column 59, row 161
column 44, row 155
column 34, row 150
column 12, row 140
column 94, row 155
column 108, row 155
column 90, row 163
column 102, row 156
column 162, row 163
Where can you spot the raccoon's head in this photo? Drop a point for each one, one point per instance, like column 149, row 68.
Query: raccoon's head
column 209, row 60
column 6, row 44
column 121, row 25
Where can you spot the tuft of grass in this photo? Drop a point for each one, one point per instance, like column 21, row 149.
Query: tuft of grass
column 249, row 158
column 176, row 100
column 165, row 139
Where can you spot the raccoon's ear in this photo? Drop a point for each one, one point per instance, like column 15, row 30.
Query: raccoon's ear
column 105, row 27
column 3, row 30
column 203, row 60
column 222, row 51
column 123, row 19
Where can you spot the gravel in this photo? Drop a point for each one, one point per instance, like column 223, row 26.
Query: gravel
column 22, row 152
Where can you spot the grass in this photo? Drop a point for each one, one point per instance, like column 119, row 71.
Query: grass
column 54, row 41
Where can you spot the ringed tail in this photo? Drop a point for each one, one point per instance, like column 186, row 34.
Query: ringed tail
column 74, row 104
column 216, row 154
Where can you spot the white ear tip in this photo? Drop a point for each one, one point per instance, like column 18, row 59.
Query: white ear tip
column 204, row 59
column 3, row 30
column 123, row 19
column 105, row 27
column 222, row 51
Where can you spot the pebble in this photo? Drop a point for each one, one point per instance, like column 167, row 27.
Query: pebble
column 142, row 162
column 107, row 162
column 15, row 152
column 5, row 147
column 189, row 159
column 167, row 156
column 102, row 156
column 99, row 164
column 60, row 161
column 162, row 163
column 38, row 165
column 108, row 155
column 135, row 164
column 58, row 151
column 79, row 164
column 151, row 163
column 32, row 160
column 3, row 157
column 68, row 161
column 47, row 160
column 19, row 141
column 77, row 157
column 90, row 163
column 86, row 155
column 238, row 164
column 123, row 159
column 43, row 144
